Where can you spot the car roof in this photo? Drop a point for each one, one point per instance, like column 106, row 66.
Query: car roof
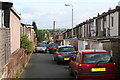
column 93, row 51
column 65, row 46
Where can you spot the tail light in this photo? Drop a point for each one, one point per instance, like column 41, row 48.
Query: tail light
column 114, row 63
column 59, row 54
column 50, row 48
column 75, row 52
column 80, row 67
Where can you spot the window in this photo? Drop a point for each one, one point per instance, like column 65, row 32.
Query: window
column 96, row 57
column 112, row 21
column 66, row 49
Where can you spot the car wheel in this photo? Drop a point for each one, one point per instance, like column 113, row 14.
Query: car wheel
column 54, row 59
column 57, row 62
column 50, row 52
column 36, row 51
column 76, row 77
column 47, row 51
column 70, row 71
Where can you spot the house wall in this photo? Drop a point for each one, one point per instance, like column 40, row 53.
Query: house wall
column 60, row 37
column 95, row 45
column 25, row 30
column 14, row 31
column 81, row 45
column 114, row 29
column 83, row 30
column 92, row 29
column 66, row 42
column 0, row 18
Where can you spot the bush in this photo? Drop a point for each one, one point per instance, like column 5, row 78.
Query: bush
column 26, row 44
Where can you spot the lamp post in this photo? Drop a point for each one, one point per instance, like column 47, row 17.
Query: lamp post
column 72, row 15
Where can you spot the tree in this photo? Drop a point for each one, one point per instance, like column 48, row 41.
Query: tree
column 26, row 44
column 34, row 26
column 42, row 35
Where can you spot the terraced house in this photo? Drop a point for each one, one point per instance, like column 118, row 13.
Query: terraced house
column 12, row 57
column 100, row 32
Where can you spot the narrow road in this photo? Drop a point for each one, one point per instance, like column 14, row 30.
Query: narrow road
column 41, row 65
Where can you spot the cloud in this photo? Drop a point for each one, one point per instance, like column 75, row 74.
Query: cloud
column 44, row 12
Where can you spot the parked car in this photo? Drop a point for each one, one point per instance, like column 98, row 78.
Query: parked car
column 64, row 53
column 41, row 47
column 52, row 47
column 93, row 64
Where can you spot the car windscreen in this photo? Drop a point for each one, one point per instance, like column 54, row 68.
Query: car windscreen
column 53, row 45
column 96, row 58
column 41, row 45
column 66, row 49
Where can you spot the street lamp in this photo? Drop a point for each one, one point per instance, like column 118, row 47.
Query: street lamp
column 72, row 15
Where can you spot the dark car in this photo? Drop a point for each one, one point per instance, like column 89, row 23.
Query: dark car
column 52, row 47
column 93, row 64
column 64, row 53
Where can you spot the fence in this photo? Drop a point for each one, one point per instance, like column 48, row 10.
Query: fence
column 4, row 47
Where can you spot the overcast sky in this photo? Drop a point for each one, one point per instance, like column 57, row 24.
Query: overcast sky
column 44, row 12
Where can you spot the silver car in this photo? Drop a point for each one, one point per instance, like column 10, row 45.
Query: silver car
column 41, row 48
column 64, row 53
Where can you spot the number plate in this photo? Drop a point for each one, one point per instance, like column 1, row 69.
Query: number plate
column 98, row 69
column 66, row 58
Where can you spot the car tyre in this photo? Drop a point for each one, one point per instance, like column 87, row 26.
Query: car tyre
column 70, row 71
column 76, row 77
column 45, row 51
column 54, row 59
column 57, row 62
column 36, row 51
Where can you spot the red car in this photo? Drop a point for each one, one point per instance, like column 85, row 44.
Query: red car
column 93, row 65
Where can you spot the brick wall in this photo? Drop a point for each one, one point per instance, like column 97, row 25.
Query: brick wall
column 16, row 63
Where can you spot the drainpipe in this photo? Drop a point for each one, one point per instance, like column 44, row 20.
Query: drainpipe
column 109, row 26
column 118, row 40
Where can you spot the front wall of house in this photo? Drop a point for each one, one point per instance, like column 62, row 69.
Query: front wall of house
column 15, row 32
column 114, row 28
column 0, row 17
column 82, row 30
column 66, row 42
column 81, row 45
